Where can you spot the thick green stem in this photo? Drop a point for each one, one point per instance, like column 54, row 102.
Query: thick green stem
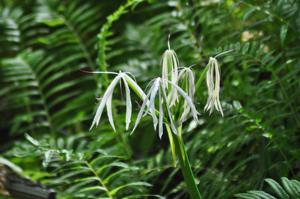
column 185, row 165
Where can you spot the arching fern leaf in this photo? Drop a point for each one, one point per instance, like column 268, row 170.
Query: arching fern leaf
column 287, row 189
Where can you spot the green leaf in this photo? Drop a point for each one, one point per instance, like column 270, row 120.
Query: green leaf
column 133, row 184
column 54, row 22
column 277, row 188
column 283, row 34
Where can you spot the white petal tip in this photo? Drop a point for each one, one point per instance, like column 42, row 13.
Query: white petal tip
column 92, row 126
column 132, row 132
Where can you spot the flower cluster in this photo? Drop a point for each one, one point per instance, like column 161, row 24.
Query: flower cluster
column 170, row 97
column 158, row 90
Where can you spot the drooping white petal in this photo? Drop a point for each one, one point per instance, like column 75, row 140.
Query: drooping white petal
column 128, row 104
column 191, row 84
column 173, row 127
column 219, row 105
column 109, row 112
column 165, row 69
column 213, row 87
column 187, row 99
column 187, row 75
column 170, row 65
column 174, row 78
column 175, row 64
column 161, row 115
column 141, row 112
column 153, row 93
column 186, row 111
column 103, row 101
column 210, row 85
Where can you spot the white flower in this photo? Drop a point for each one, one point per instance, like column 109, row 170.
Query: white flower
column 187, row 78
column 170, row 65
column 213, row 86
column 107, row 99
column 155, row 88
column 159, row 89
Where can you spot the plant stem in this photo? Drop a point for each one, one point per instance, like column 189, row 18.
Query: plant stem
column 185, row 165
column 99, row 179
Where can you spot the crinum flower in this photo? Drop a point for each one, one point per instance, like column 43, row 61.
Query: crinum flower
column 186, row 78
column 107, row 99
column 158, row 90
column 213, row 86
column 170, row 65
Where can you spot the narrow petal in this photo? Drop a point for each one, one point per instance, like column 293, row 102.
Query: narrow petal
column 187, row 99
column 103, row 101
column 161, row 115
column 173, row 127
column 191, row 84
column 186, row 111
column 140, row 114
column 213, row 86
column 128, row 104
column 175, row 64
column 187, row 75
column 165, row 68
column 109, row 112
column 153, row 93
column 220, row 107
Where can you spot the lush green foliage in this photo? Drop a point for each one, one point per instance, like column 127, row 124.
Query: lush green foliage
column 47, row 47
column 288, row 189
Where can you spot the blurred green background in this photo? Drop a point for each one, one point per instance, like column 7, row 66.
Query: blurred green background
column 46, row 45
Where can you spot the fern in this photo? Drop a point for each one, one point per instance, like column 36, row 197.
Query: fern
column 105, row 31
column 256, row 73
column 45, row 45
column 28, row 92
column 51, row 80
column 82, row 171
column 287, row 189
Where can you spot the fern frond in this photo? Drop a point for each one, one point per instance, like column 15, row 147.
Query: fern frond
column 105, row 31
column 44, row 82
column 90, row 171
column 287, row 189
